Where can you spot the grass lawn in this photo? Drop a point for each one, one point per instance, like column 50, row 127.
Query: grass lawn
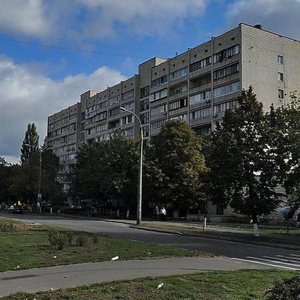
column 23, row 246
column 244, row 284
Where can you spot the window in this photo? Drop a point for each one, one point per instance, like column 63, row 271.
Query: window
column 129, row 106
column 114, row 100
column 178, row 104
column 144, row 118
column 144, row 105
column 145, row 91
column 102, row 127
column 159, row 81
column 158, row 95
column 129, row 132
column 200, row 64
column 227, row 89
column 178, row 74
column 280, row 94
column 178, row 89
column 159, row 110
column 280, row 59
column 201, row 97
column 224, row 72
column 101, row 105
column 126, row 120
column 224, row 106
column 227, row 53
column 114, row 112
column 128, row 95
column 157, row 124
column 182, row 117
column 199, row 114
column 280, row 76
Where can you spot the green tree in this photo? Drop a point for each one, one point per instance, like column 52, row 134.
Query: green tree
column 5, row 174
column 108, row 170
column 177, row 166
column 242, row 168
column 291, row 178
column 30, row 143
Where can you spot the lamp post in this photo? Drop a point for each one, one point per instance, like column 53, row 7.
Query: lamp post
column 140, row 178
column 39, row 195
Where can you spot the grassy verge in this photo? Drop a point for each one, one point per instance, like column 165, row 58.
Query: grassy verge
column 25, row 246
column 244, row 284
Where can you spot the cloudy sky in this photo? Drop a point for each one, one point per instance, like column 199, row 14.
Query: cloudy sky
column 52, row 51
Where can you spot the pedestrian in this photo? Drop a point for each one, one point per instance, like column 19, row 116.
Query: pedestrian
column 163, row 213
column 156, row 212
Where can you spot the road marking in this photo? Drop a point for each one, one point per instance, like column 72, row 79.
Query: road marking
column 272, row 261
column 282, row 259
column 266, row 264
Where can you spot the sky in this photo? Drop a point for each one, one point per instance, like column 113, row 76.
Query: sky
column 53, row 51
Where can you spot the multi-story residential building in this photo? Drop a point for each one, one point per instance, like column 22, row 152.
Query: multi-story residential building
column 196, row 86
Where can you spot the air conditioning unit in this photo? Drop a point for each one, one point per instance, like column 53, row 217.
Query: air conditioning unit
column 207, row 100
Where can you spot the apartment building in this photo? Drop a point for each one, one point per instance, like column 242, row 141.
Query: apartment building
column 196, row 86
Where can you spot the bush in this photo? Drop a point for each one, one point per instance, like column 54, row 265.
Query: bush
column 70, row 238
column 8, row 227
column 288, row 289
column 95, row 239
column 81, row 241
column 57, row 239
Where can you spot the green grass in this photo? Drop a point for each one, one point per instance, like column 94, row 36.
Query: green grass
column 27, row 246
column 244, row 284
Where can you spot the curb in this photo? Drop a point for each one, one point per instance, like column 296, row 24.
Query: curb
column 218, row 237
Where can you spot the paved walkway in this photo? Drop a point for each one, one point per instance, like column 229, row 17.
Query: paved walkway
column 33, row 280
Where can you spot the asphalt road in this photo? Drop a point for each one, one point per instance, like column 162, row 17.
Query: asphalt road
column 261, row 255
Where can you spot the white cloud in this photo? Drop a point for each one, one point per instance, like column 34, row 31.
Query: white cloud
column 80, row 20
column 274, row 15
column 144, row 17
column 24, row 16
column 26, row 96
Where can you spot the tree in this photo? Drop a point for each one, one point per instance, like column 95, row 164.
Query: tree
column 291, row 178
column 284, row 126
column 5, row 174
column 30, row 143
column 108, row 170
column 176, row 159
column 242, row 167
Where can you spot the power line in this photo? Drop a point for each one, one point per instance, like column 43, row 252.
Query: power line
column 68, row 48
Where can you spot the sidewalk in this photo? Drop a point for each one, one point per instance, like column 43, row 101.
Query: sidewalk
column 217, row 232
column 34, row 280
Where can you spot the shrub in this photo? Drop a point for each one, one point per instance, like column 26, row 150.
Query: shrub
column 70, row 238
column 8, row 227
column 288, row 289
column 57, row 239
column 95, row 239
column 81, row 241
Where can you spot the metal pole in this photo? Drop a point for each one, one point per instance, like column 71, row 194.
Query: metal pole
column 39, row 199
column 139, row 202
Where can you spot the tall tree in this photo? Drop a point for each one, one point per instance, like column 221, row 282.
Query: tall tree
column 284, row 124
column 5, row 174
column 108, row 170
column 242, row 168
column 177, row 161
column 30, row 143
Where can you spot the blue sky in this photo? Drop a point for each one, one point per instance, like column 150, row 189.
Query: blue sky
column 52, row 51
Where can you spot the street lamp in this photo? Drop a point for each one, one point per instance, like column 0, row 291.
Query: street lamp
column 39, row 195
column 140, row 178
